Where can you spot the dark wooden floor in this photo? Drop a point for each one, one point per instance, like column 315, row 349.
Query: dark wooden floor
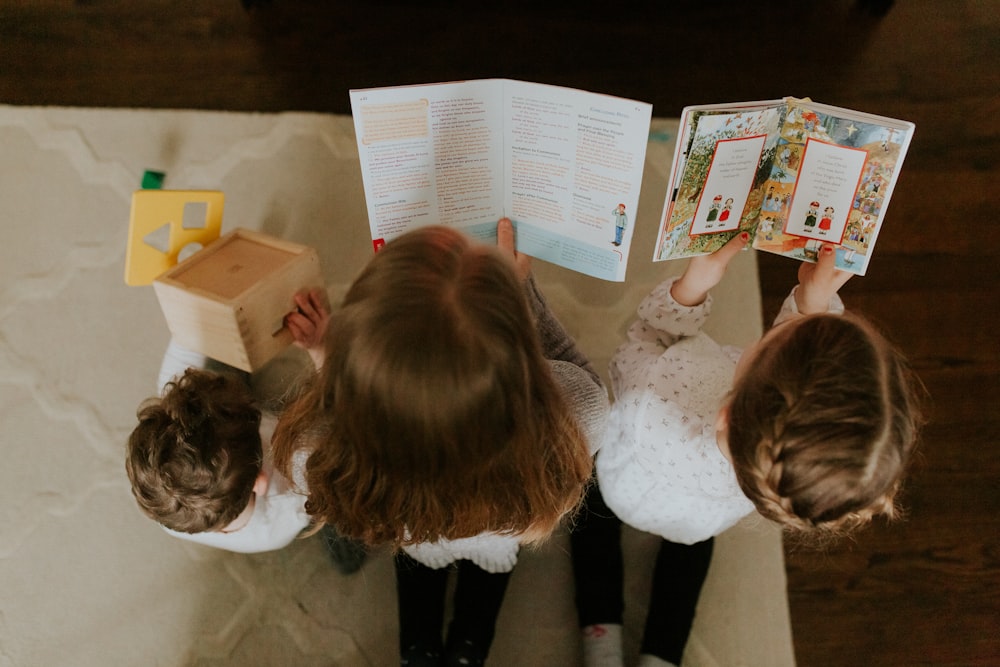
column 925, row 591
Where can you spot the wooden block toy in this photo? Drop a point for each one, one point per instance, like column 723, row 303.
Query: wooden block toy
column 229, row 300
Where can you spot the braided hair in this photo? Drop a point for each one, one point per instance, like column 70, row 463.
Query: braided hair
column 821, row 430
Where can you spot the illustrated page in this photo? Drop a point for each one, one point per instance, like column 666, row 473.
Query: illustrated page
column 730, row 177
column 575, row 161
column 828, row 178
column 825, row 174
column 831, row 179
column 721, row 160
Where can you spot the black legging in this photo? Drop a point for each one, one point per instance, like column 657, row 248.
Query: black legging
column 598, row 571
column 421, row 590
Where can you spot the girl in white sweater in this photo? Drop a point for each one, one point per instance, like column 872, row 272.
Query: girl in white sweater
column 813, row 426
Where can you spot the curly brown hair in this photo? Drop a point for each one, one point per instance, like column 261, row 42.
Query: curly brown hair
column 196, row 452
column 822, row 429
column 435, row 414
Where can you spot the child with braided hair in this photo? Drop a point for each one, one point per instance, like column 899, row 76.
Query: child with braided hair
column 813, row 426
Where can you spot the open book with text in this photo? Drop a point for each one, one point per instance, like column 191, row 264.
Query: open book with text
column 793, row 173
column 564, row 165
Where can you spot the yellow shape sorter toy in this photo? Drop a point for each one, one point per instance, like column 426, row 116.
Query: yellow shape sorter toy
column 229, row 299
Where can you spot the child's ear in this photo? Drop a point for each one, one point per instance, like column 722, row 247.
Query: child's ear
column 260, row 484
column 722, row 419
column 722, row 431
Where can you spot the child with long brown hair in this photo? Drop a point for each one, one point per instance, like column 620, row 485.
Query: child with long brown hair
column 813, row 426
column 452, row 418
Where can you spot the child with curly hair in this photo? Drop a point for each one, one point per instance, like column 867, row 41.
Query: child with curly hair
column 199, row 459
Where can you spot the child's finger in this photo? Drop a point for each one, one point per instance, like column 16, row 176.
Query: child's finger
column 827, row 267
column 303, row 304
column 505, row 235
column 734, row 245
column 291, row 321
column 319, row 299
column 827, row 258
column 304, row 331
column 310, row 304
column 322, row 300
column 506, row 243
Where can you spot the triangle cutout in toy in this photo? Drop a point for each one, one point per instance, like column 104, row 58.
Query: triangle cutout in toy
column 159, row 238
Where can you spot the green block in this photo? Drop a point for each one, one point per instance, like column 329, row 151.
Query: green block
column 152, row 180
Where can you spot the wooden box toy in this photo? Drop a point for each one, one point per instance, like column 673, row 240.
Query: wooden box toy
column 229, row 300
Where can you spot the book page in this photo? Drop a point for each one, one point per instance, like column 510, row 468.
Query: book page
column 430, row 154
column 723, row 155
column 564, row 165
column 730, row 178
column 831, row 180
column 828, row 178
column 574, row 169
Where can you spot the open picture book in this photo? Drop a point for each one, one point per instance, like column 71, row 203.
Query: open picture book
column 793, row 173
column 564, row 165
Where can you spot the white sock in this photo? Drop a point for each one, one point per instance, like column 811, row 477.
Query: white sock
column 647, row 660
column 602, row 645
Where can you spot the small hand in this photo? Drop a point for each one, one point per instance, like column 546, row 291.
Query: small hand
column 309, row 322
column 505, row 241
column 819, row 282
column 704, row 272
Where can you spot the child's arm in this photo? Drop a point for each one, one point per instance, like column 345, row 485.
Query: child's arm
column 308, row 324
column 704, row 272
column 678, row 307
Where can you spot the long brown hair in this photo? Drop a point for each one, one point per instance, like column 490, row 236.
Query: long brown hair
column 822, row 428
column 434, row 414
